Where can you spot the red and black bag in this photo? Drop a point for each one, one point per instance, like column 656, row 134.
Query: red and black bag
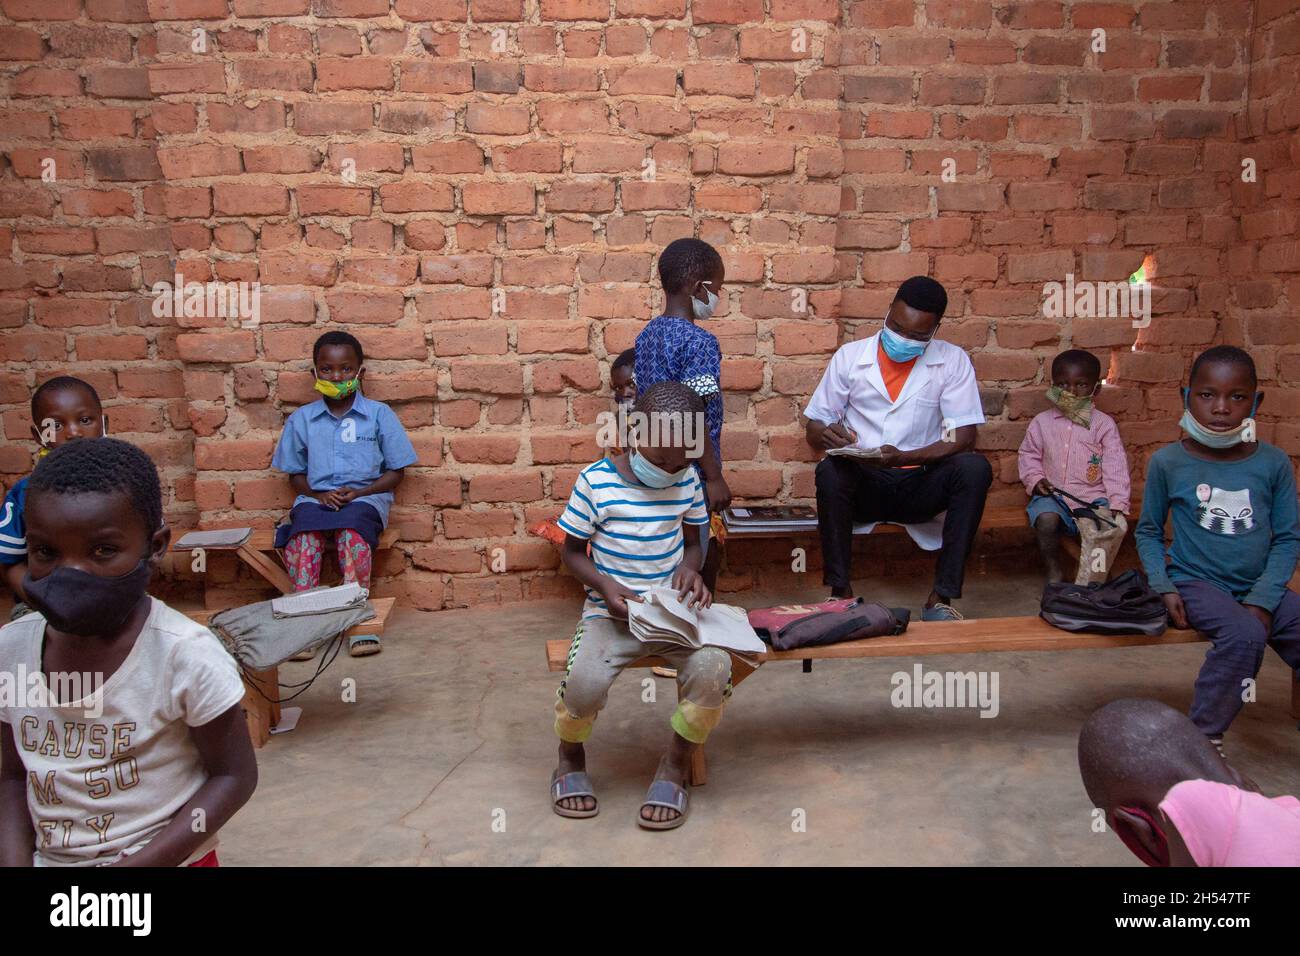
column 792, row 626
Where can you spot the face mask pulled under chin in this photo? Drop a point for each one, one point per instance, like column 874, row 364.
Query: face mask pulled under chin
column 1216, row 439
column 87, row 605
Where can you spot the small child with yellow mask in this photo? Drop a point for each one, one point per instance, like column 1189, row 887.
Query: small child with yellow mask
column 1075, row 448
column 344, row 454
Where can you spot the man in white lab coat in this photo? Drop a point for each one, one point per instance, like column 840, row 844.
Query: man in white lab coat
column 915, row 398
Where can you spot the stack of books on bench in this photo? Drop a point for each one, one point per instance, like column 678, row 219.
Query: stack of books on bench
column 770, row 518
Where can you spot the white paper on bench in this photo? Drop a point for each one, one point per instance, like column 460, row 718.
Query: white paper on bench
column 319, row 600
column 660, row 616
column 221, row 538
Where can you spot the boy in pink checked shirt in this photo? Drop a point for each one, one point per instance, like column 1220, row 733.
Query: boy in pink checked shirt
column 1075, row 448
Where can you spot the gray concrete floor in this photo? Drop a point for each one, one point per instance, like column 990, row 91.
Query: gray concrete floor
column 445, row 756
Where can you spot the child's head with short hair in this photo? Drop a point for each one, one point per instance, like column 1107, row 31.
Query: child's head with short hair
column 1131, row 752
column 93, row 507
column 675, row 414
column 64, row 408
column 338, row 357
column 1222, row 388
column 621, row 378
column 1076, row 372
column 692, row 268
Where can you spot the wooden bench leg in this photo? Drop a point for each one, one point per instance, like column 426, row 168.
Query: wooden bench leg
column 267, row 568
column 699, row 769
column 259, row 713
column 699, row 772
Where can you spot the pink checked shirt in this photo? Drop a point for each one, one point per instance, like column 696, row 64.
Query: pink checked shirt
column 1089, row 463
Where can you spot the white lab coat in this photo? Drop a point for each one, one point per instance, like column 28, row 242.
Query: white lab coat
column 940, row 395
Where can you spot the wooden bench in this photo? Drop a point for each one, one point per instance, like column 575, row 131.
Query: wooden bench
column 936, row 637
column 257, row 550
column 262, row 688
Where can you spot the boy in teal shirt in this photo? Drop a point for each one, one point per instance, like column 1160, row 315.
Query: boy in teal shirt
column 1236, row 540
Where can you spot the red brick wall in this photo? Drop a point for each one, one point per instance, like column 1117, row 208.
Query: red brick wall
column 518, row 164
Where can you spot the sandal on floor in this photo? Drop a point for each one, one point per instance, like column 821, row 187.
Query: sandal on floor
column 363, row 645
column 665, row 793
column 574, row 784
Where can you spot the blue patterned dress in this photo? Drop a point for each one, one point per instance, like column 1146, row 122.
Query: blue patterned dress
column 670, row 349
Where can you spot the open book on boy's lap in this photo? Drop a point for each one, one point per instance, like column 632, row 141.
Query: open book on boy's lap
column 660, row 616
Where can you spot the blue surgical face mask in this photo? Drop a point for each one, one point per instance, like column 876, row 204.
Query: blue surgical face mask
column 898, row 348
column 651, row 475
column 704, row 310
column 1208, row 436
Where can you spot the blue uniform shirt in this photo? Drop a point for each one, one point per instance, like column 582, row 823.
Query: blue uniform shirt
column 347, row 452
column 13, row 533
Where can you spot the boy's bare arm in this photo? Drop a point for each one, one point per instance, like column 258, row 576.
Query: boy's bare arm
column 228, row 758
column 715, row 485
column 575, row 558
column 17, row 838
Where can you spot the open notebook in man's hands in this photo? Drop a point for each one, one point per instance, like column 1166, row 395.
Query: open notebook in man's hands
column 661, row 616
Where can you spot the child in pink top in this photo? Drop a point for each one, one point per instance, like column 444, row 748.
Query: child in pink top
column 1223, row 825
column 1173, row 799
column 1073, row 447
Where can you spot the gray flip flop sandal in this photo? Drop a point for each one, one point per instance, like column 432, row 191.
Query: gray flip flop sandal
column 665, row 793
column 574, row 784
column 363, row 645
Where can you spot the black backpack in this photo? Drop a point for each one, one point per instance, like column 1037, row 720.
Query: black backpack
column 791, row 627
column 1123, row 605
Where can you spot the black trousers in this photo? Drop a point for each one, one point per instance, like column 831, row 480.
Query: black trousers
column 849, row 492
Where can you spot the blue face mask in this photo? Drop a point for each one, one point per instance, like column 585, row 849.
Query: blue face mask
column 898, row 348
column 651, row 475
column 1208, row 436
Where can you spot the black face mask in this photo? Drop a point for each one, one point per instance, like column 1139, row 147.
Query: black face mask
column 86, row 604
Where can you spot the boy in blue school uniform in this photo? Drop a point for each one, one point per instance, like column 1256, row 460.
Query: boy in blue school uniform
column 344, row 454
column 63, row 408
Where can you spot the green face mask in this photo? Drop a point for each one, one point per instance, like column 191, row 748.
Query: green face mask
column 337, row 389
column 1076, row 409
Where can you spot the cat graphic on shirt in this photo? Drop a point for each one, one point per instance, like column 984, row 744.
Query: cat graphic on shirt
column 1223, row 511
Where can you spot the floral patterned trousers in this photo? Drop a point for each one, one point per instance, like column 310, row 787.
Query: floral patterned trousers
column 304, row 552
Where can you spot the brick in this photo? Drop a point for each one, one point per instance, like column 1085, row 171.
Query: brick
column 416, row 197
column 232, row 200
column 510, row 487
column 128, row 164
column 318, row 119
column 333, row 200
column 216, row 346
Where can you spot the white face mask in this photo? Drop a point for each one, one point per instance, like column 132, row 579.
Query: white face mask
column 704, row 310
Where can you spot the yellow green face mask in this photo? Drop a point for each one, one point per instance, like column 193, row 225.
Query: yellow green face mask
column 1076, row 409
column 337, row 389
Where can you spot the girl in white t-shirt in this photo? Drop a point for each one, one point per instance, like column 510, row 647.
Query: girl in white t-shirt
column 123, row 737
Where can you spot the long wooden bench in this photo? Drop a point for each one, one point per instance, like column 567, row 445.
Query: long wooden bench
column 262, row 688
column 923, row 638
column 257, row 550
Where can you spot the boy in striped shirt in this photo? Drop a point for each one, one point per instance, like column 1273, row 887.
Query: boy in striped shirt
column 641, row 512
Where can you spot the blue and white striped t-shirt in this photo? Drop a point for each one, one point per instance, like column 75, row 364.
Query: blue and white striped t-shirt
column 635, row 531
